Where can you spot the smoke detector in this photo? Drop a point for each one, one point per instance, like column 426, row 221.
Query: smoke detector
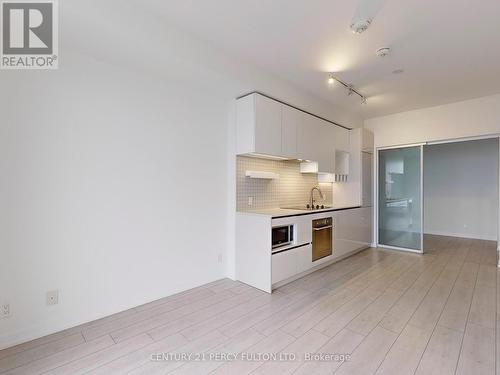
column 383, row 52
column 360, row 26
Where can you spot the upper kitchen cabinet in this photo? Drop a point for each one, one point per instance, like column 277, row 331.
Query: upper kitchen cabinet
column 292, row 121
column 269, row 127
column 319, row 141
column 258, row 121
column 324, row 144
column 308, row 130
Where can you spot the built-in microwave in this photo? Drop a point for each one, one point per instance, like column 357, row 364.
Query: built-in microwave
column 282, row 235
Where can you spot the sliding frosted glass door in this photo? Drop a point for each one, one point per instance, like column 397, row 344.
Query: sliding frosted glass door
column 400, row 198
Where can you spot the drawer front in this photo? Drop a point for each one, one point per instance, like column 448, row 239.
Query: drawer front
column 284, row 265
column 290, row 263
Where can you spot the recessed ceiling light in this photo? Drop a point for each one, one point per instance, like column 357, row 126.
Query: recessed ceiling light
column 383, row 52
column 398, row 71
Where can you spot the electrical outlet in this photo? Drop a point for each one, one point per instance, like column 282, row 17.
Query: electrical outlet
column 5, row 310
column 219, row 258
column 52, row 298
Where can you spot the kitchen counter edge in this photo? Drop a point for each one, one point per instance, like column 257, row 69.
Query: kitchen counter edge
column 281, row 212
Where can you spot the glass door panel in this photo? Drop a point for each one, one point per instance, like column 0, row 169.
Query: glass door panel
column 400, row 198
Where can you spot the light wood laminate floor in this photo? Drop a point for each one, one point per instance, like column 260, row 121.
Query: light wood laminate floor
column 385, row 312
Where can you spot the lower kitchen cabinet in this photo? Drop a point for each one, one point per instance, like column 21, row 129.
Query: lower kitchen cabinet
column 257, row 266
column 353, row 230
column 290, row 263
column 304, row 258
column 284, row 266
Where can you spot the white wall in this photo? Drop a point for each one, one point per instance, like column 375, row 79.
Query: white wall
column 172, row 55
column 113, row 191
column 461, row 189
column 470, row 118
column 463, row 119
column 118, row 170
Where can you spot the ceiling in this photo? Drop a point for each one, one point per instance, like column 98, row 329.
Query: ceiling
column 449, row 49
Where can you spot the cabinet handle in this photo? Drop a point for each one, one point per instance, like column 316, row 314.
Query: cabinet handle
column 322, row 228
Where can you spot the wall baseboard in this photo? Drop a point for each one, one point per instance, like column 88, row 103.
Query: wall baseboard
column 462, row 235
column 57, row 327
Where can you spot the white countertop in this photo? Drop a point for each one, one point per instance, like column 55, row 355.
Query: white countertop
column 280, row 212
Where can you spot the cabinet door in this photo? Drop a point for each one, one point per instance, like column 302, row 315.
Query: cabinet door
column 352, row 230
column 304, row 258
column 292, row 118
column 366, row 225
column 245, row 125
column 325, row 146
column 307, row 136
column 290, row 263
column 284, row 265
column 267, row 126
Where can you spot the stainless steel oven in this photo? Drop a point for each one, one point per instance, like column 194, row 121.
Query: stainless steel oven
column 282, row 236
column 322, row 238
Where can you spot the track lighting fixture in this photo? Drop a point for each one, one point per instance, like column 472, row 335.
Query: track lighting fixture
column 350, row 88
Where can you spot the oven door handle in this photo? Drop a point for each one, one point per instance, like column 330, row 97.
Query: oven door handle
column 323, row 228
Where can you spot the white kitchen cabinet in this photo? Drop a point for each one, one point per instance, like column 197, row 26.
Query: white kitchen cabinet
column 325, row 145
column 291, row 263
column 258, row 120
column 366, row 179
column 315, row 142
column 284, row 265
column 256, row 265
column 318, row 140
column 341, row 146
column 366, row 218
column 307, row 138
column 342, row 162
column 304, row 258
column 358, row 188
column 352, row 230
column 291, row 122
column 268, row 127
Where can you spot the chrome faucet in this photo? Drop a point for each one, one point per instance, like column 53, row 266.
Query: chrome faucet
column 311, row 199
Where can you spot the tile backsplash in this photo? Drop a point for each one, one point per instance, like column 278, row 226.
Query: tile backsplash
column 291, row 189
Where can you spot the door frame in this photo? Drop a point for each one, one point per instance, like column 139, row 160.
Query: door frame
column 434, row 142
column 376, row 200
column 477, row 138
